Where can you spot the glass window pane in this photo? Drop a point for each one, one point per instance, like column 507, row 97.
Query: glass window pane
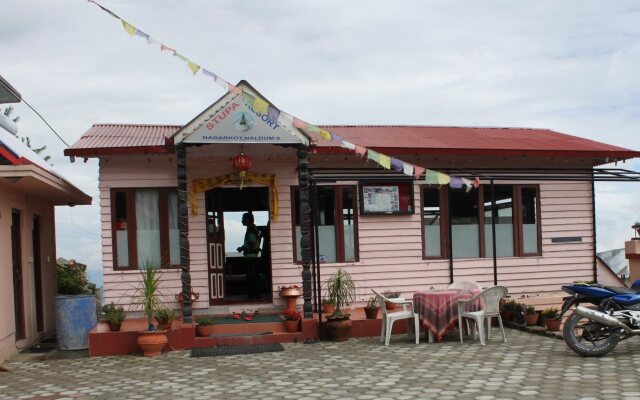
column 504, row 220
column 148, row 228
column 464, row 224
column 348, row 221
column 122, row 240
column 174, row 233
column 326, row 224
column 432, row 217
column 530, row 220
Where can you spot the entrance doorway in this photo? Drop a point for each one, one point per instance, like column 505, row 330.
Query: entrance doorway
column 239, row 255
column 16, row 255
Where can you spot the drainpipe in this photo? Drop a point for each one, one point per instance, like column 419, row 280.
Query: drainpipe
column 494, row 216
column 305, row 228
column 593, row 224
column 450, row 236
column 183, row 226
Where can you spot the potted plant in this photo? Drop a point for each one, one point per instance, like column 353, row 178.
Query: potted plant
column 531, row 317
column 390, row 294
column 327, row 306
column 507, row 310
column 342, row 291
column 76, row 307
column 113, row 315
column 551, row 318
column 148, row 296
column 204, row 327
column 164, row 317
column 291, row 320
column 372, row 307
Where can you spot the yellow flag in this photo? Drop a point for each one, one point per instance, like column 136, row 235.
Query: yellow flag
column 131, row 30
column 325, row 135
column 193, row 67
column 385, row 161
column 260, row 106
column 443, row 179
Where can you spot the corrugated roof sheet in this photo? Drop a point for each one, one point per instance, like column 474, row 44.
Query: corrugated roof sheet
column 120, row 138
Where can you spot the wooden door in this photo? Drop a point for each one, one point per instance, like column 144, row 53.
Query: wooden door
column 16, row 255
column 215, row 246
column 37, row 272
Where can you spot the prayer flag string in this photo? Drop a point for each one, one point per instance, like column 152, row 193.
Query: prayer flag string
column 276, row 115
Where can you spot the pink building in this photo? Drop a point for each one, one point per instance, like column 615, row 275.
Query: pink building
column 29, row 190
column 390, row 230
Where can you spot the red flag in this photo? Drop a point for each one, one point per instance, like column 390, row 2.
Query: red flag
column 418, row 171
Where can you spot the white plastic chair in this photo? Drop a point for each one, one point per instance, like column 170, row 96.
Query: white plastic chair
column 388, row 318
column 490, row 299
column 465, row 285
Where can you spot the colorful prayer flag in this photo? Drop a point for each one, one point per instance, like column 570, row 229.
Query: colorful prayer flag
column 193, row 66
column 373, row 155
column 298, row 123
column 151, row 40
column 336, row 137
column 167, row 48
column 467, row 183
column 273, row 114
column 209, row 73
column 384, row 161
column 142, row 34
column 407, row 169
column 418, row 171
column 397, row 165
column 348, row 145
column 260, row 106
column 233, row 89
column 325, row 135
column 431, row 177
column 312, row 128
column 456, row 182
column 180, row 56
column 443, row 179
column 360, row 150
column 247, row 98
column 130, row 29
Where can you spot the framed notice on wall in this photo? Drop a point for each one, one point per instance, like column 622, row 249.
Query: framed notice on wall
column 386, row 198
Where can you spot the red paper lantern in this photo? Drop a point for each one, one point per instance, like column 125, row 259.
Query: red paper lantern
column 241, row 164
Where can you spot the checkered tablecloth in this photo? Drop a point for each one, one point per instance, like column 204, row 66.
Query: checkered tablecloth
column 438, row 309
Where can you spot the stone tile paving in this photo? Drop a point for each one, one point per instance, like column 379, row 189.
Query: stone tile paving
column 527, row 367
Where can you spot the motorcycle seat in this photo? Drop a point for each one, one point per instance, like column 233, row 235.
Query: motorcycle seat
column 624, row 290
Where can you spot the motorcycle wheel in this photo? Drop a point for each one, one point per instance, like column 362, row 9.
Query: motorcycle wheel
column 589, row 338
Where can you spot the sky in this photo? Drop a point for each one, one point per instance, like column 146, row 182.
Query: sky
column 570, row 66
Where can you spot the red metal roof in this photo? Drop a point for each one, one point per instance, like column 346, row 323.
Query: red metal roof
column 104, row 139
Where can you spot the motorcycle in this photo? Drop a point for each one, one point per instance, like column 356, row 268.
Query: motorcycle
column 593, row 332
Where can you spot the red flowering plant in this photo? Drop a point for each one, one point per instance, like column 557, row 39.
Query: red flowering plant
column 289, row 315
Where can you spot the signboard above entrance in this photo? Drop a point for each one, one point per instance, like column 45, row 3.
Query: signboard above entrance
column 232, row 120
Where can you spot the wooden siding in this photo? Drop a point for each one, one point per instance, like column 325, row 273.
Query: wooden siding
column 390, row 246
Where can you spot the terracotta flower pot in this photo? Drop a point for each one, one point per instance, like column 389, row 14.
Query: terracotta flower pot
column 552, row 324
column 371, row 313
column 327, row 309
column 291, row 325
column 389, row 305
column 339, row 328
column 204, row 330
column 165, row 326
column 152, row 343
column 531, row 319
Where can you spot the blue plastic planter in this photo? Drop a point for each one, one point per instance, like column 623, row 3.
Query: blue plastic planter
column 75, row 317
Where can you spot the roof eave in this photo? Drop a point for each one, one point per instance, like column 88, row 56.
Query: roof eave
column 109, row 151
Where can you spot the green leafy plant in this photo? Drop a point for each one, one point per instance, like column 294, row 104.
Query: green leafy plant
column 113, row 314
column 531, row 310
column 72, row 279
column 509, row 305
column 148, row 292
column 550, row 313
column 327, row 300
column 342, row 291
column 204, row 320
column 289, row 315
column 372, row 302
column 165, row 315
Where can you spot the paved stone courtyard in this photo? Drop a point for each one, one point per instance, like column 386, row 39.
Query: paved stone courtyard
column 528, row 366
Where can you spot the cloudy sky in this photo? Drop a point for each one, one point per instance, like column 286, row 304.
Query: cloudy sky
column 570, row 66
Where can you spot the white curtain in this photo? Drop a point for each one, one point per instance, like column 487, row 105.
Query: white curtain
column 148, row 228
column 174, row 233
